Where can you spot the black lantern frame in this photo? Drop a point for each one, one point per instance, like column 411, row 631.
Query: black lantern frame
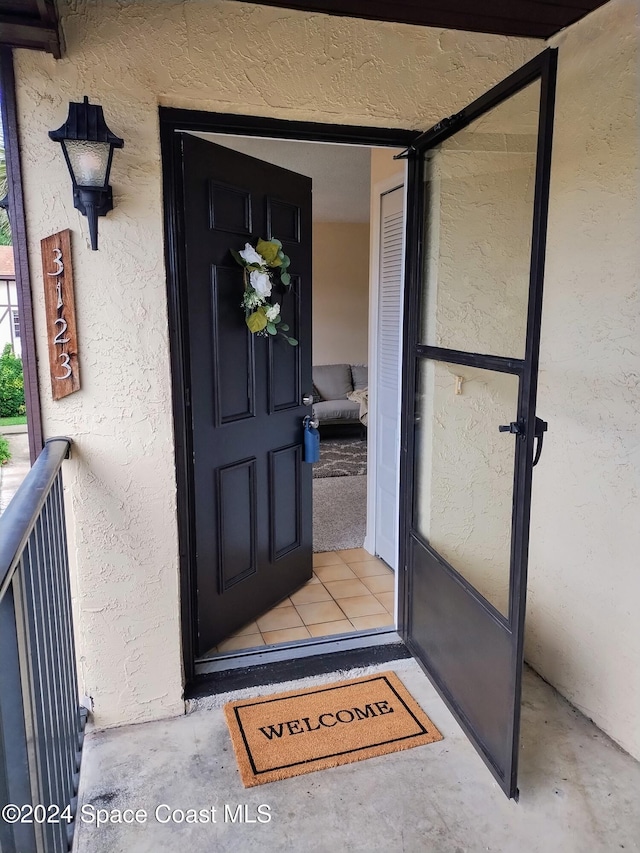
column 86, row 123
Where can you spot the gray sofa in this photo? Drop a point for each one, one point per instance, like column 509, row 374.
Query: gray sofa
column 332, row 383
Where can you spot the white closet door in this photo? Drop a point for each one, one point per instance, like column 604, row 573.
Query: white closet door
column 390, row 297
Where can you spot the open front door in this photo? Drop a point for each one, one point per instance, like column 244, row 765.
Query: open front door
column 252, row 491
column 476, row 230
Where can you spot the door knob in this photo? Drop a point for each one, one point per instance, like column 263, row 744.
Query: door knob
column 307, row 400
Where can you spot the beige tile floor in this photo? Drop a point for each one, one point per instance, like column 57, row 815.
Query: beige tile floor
column 350, row 590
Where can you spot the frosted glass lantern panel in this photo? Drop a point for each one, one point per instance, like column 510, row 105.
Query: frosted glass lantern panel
column 89, row 161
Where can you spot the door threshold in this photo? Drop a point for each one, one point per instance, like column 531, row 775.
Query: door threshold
column 290, row 664
column 296, row 650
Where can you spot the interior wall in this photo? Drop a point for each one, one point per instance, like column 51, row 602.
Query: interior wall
column 341, row 189
column 340, row 292
column 584, row 580
column 212, row 55
column 384, row 167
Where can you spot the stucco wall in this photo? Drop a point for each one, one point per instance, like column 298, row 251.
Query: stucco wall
column 464, row 473
column 213, row 55
column 477, row 249
column 584, row 582
column 340, row 292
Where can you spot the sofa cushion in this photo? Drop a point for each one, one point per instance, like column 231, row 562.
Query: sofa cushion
column 360, row 376
column 337, row 410
column 333, row 381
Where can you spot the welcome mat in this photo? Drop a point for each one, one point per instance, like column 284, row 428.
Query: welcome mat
column 300, row 731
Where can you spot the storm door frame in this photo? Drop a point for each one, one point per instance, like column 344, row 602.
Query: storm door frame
column 542, row 67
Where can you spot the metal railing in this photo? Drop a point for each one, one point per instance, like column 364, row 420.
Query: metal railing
column 41, row 725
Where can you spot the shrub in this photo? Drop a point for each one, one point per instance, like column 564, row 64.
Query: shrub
column 5, row 453
column 11, row 384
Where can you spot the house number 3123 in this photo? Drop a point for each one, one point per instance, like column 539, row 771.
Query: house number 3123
column 62, row 338
column 59, row 338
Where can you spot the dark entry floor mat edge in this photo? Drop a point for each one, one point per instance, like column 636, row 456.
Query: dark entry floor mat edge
column 262, row 675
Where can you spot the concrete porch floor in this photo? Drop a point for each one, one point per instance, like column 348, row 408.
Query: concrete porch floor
column 579, row 791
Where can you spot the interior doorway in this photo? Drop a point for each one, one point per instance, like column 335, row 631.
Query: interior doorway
column 355, row 312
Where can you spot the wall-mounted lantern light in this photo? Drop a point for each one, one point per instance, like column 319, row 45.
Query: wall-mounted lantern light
column 88, row 146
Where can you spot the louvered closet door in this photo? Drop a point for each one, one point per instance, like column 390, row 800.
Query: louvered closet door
column 388, row 374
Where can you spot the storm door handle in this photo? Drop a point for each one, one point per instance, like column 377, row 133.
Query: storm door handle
column 541, row 428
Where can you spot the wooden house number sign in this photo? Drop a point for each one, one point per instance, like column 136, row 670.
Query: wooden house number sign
column 61, row 316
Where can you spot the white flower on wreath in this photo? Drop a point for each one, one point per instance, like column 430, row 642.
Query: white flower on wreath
column 272, row 312
column 251, row 299
column 260, row 281
column 250, row 255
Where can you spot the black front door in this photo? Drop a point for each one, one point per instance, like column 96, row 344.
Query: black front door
column 252, row 490
column 477, row 214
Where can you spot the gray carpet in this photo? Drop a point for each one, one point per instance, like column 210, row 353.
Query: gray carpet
column 341, row 457
column 339, row 513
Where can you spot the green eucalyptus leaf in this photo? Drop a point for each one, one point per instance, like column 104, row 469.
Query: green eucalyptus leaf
column 272, row 329
column 284, row 327
column 286, row 261
column 237, row 257
column 285, row 278
column 257, row 321
column 277, row 242
column 292, row 341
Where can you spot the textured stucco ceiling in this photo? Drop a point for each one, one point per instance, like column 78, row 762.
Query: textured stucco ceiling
column 340, row 173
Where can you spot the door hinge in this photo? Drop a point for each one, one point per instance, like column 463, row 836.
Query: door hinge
column 421, row 138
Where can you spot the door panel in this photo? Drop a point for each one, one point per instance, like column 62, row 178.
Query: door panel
column 285, row 365
column 252, row 492
column 237, row 498
column 478, row 197
column 285, row 478
column 468, row 651
column 233, row 392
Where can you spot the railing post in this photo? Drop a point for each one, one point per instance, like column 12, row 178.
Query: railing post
column 40, row 722
column 15, row 775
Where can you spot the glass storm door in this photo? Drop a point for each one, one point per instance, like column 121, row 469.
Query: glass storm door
column 476, row 241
